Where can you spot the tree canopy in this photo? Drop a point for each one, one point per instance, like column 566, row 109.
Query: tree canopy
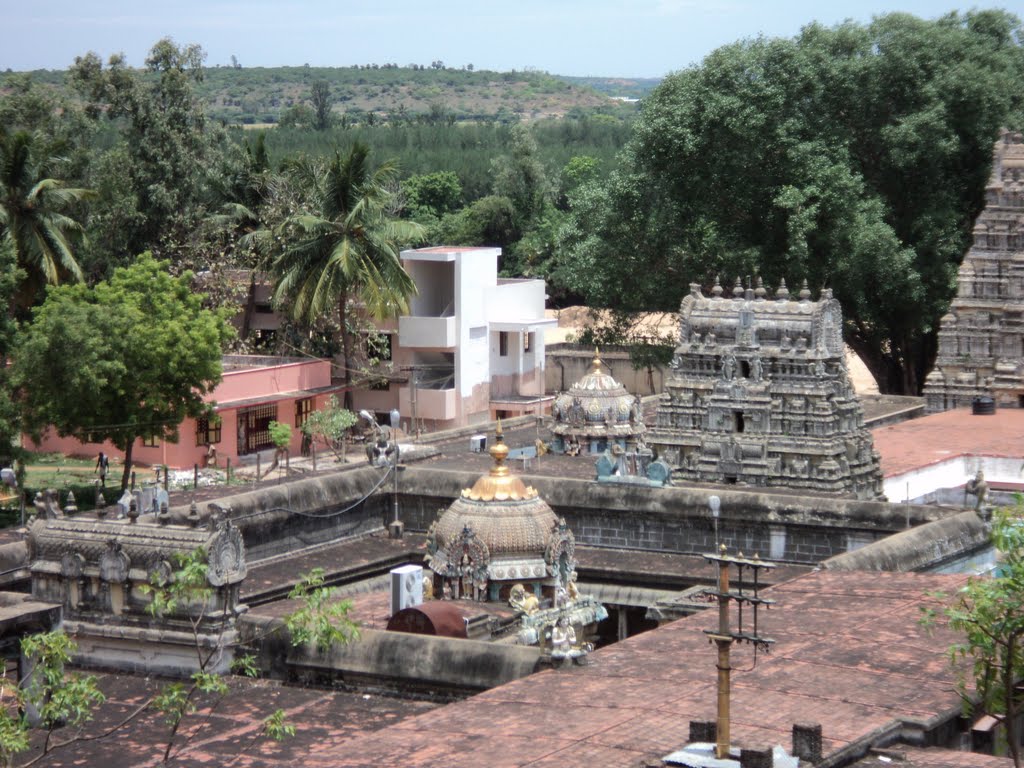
column 854, row 157
column 345, row 246
column 129, row 358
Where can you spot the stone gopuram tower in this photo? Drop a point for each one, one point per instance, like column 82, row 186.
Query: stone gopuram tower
column 759, row 394
column 981, row 338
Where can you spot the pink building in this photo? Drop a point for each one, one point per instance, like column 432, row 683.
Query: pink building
column 254, row 391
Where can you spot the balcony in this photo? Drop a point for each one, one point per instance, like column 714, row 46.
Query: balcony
column 426, row 332
column 436, row 404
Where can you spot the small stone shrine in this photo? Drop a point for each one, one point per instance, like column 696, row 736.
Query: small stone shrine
column 759, row 394
column 501, row 543
column 981, row 338
column 96, row 570
column 596, row 414
column 497, row 534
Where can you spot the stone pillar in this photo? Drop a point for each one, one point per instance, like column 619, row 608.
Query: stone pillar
column 807, row 741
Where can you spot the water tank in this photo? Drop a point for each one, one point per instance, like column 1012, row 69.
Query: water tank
column 983, row 405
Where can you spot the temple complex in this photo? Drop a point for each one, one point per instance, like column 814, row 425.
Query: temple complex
column 596, row 414
column 981, row 338
column 759, row 394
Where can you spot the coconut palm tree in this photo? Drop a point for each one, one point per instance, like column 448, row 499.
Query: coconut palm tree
column 32, row 221
column 346, row 248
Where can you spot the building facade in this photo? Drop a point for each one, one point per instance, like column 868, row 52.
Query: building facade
column 253, row 392
column 981, row 338
column 759, row 395
column 471, row 348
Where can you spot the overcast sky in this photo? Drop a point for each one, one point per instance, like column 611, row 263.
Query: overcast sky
column 638, row 38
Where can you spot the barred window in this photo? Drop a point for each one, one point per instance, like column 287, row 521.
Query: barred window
column 207, row 430
column 303, row 409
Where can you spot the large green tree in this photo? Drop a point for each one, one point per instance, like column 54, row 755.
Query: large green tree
column 854, row 157
column 35, row 214
column 156, row 178
column 345, row 246
column 129, row 358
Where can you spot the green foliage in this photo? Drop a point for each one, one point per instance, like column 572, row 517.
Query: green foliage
column 320, row 95
column 989, row 612
column 432, row 195
column 280, row 434
column 855, row 157
column 162, row 157
column 323, row 619
column 128, row 358
column 57, row 697
column 34, row 220
column 330, row 425
column 277, row 727
column 344, row 245
column 187, row 587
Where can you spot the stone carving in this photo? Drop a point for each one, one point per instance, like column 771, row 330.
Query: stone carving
column 114, row 564
column 523, row 601
column 738, row 412
column 978, row 488
column 596, row 413
column 981, row 339
column 226, row 563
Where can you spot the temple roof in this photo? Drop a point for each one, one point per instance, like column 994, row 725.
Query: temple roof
column 597, row 405
column 502, row 519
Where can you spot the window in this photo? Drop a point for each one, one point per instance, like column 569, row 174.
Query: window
column 149, row 442
column 503, row 343
column 303, row 409
column 254, row 428
column 208, row 430
column 379, row 384
column 527, row 341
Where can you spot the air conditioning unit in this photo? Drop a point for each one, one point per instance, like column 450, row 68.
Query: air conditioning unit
column 478, row 443
column 406, row 587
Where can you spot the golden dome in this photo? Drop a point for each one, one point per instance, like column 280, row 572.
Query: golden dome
column 499, row 484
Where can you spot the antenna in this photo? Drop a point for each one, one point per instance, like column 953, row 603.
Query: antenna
column 724, row 637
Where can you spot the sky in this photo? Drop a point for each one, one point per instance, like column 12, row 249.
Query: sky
column 600, row 38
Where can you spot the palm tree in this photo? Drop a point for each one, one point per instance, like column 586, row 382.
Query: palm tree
column 31, row 219
column 348, row 248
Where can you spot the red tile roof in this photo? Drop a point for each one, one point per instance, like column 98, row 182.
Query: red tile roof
column 941, row 436
column 850, row 655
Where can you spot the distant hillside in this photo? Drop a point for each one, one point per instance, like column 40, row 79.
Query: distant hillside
column 250, row 95
column 617, row 87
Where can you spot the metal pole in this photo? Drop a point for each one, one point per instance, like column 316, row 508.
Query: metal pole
column 195, row 476
column 724, row 642
column 415, row 420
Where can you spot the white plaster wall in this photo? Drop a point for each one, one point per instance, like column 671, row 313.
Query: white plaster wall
column 518, row 300
column 950, row 474
column 476, row 273
column 435, row 288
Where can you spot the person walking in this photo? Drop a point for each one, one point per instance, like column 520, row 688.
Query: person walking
column 102, row 465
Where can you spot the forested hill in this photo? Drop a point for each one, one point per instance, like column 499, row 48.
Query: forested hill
column 392, row 93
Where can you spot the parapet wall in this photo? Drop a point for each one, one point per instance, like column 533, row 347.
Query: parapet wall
column 283, row 518
column 918, row 548
column 776, row 526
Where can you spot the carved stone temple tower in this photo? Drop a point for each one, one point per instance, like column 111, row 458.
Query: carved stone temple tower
column 759, row 394
column 981, row 338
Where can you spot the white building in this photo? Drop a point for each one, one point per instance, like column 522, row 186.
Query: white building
column 471, row 349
